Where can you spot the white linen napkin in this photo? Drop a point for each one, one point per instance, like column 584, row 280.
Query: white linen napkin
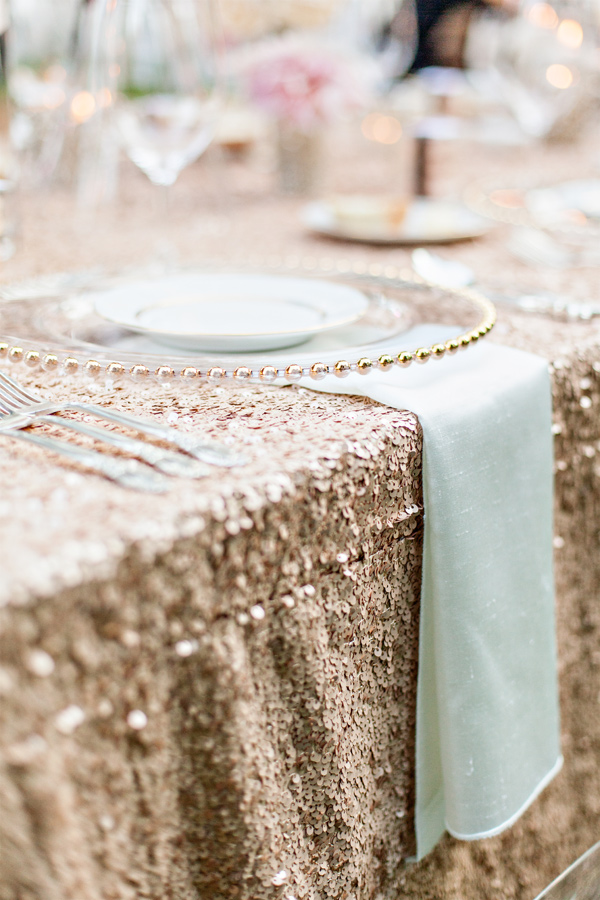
column 488, row 736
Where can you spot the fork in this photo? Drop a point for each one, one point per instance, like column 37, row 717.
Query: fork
column 30, row 406
column 169, row 462
column 128, row 473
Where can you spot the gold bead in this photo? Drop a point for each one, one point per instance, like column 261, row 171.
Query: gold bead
column 422, row 354
column 165, row 373
column 318, row 371
column 3, row 349
column 16, row 354
column 139, row 372
column 268, row 374
column 50, row 362
column 404, row 358
column 115, row 370
column 474, row 335
column 438, row 350
column 364, row 366
column 483, row 330
column 386, row 362
column 464, row 340
column 342, row 368
column 452, row 346
column 32, row 358
column 293, row 372
column 92, row 367
column 189, row 373
column 70, row 365
column 242, row 373
column 215, row 373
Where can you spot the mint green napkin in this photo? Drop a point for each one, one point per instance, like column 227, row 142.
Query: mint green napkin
column 487, row 703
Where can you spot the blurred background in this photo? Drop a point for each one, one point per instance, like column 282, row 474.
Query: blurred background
column 353, row 103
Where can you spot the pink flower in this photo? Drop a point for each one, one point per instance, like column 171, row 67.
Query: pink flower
column 302, row 84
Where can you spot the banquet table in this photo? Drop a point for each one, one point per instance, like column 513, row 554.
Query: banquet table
column 212, row 693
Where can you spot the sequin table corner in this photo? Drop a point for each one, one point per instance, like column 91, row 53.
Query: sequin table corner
column 228, row 706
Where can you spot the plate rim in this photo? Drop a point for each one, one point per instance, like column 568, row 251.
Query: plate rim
column 309, row 330
column 339, row 233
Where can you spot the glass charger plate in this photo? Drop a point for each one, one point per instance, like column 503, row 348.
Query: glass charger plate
column 51, row 323
column 569, row 206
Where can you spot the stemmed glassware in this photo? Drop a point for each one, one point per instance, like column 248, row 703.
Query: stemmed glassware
column 165, row 81
column 385, row 30
column 38, row 52
column 60, row 96
column 539, row 59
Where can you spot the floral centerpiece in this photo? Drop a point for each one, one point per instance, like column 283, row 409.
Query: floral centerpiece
column 301, row 82
column 303, row 85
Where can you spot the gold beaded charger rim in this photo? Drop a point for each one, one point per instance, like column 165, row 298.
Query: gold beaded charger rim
column 80, row 358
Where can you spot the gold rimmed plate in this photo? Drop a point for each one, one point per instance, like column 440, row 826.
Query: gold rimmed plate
column 377, row 220
column 230, row 312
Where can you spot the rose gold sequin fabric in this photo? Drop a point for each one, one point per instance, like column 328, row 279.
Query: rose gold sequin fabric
column 211, row 694
column 226, row 673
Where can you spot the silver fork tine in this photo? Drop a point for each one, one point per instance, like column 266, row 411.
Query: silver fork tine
column 6, row 405
column 128, row 473
column 210, row 452
column 11, row 405
column 168, row 462
column 7, row 395
column 17, row 390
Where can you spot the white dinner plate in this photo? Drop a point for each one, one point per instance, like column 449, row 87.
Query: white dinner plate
column 231, row 312
column 426, row 221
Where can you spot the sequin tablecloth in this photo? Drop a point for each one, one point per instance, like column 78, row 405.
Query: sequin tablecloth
column 212, row 694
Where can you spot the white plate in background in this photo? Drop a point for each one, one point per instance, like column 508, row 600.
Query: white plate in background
column 426, row 221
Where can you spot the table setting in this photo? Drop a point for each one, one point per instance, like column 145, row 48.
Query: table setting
column 298, row 436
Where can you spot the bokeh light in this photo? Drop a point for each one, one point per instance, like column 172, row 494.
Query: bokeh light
column 382, row 129
column 83, row 106
column 559, row 76
column 570, row 34
column 543, row 16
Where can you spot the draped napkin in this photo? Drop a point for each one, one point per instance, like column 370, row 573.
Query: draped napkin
column 488, row 736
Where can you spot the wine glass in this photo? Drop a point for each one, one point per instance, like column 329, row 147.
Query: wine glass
column 538, row 59
column 39, row 38
column 165, row 81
